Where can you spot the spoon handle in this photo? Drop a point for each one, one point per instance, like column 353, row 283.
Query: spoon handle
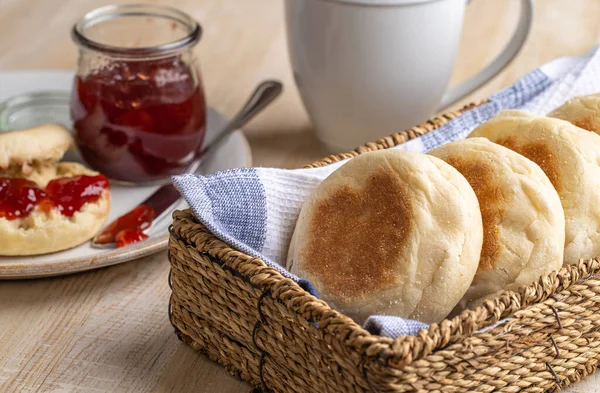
column 262, row 96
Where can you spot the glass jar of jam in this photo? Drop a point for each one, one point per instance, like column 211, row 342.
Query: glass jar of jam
column 137, row 103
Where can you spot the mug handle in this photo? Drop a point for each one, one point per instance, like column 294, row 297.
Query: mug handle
column 498, row 64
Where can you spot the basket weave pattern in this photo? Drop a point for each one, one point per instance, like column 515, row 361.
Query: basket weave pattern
column 268, row 331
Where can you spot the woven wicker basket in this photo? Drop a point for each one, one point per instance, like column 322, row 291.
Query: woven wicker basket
column 268, row 331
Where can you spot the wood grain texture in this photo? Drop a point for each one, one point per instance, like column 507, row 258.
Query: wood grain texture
column 108, row 330
column 98, row 332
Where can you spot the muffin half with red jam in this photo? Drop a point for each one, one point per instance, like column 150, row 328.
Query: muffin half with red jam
column 47, row 205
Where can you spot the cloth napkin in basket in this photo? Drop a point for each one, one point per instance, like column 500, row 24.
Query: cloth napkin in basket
column 255, row 209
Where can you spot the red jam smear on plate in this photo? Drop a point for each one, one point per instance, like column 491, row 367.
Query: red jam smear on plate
column 128, row 228
column 18, row 197
column 138, row 120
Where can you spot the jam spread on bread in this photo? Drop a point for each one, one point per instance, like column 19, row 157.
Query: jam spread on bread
column 139, row 120
column 129, row 228
column 69, row 194
column 19, row 197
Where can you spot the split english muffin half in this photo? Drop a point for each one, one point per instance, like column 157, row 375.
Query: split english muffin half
column 33, row 221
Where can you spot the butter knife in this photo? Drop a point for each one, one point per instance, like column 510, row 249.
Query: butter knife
column 159, row 203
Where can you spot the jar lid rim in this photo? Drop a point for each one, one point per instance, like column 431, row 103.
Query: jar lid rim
column 110, row 12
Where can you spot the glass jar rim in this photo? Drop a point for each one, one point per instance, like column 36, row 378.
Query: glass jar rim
column 110, row 12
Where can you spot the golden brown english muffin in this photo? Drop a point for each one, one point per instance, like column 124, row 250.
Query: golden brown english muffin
column 391, row 233
column 570, row 157
column 582, row 111
column 523, row 220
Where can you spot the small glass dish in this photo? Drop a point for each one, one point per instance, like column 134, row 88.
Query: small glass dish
column 33, row 109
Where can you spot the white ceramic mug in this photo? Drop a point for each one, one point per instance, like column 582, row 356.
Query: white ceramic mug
column 369, row 68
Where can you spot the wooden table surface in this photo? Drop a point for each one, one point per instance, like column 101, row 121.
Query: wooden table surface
column 108, row 330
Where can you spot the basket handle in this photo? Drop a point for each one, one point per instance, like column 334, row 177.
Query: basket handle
column 499, row 63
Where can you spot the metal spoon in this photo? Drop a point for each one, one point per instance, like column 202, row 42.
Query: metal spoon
column 163, row 198
column 262, row 96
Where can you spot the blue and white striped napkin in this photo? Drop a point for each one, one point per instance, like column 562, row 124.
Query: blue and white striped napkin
column 255, row 209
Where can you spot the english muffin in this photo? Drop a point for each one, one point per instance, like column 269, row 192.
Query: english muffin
column 45, row 231
column 42, row 145
column 570, row 157
column 46, row 206
column 523, row 220
column 390, row 233
column 582, row 111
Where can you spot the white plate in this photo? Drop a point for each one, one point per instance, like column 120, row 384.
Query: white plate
column 233, row 153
